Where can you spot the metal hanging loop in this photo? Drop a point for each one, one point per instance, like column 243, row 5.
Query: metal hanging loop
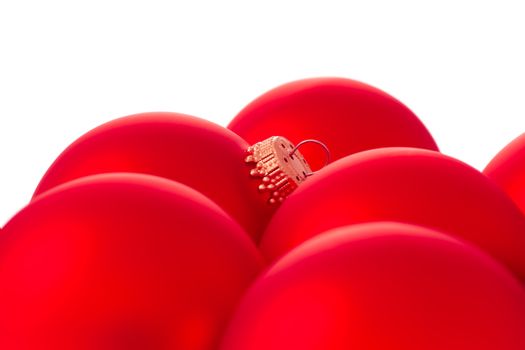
column 323, row 146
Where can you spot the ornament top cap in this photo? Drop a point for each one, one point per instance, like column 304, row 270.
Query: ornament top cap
column 279, row 165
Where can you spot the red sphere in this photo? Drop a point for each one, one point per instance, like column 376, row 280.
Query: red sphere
column 507, row 169
column 121, row 261
column 381, row 286
column 405, row 185
column 346, row 115
column 195, row 152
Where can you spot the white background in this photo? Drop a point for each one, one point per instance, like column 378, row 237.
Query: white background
column 67, row 66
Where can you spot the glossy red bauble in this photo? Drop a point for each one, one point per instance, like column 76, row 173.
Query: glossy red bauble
column 507, row 169
column 406, row 185
column 381, row 286
column 121, row 261
column 195, row 152
column 346, row 115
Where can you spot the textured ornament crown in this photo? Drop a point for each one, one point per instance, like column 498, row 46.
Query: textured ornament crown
column 279, row 166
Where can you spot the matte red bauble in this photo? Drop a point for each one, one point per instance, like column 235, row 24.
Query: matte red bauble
column 381, row 286
column 507, row 169
column 195, row 152
column 406, row 185
column 346, row 115
column 121, row 262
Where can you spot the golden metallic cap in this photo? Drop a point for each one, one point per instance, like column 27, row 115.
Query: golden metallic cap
column 279, row 166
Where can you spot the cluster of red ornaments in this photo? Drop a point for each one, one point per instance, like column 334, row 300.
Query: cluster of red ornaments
column 156, row 231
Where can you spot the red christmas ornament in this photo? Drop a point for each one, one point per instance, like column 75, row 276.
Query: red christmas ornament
column 406, row 185
column 381, row 286
column 195, row 152
column 507, row 169
column 121, row 261
column 346, row 115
